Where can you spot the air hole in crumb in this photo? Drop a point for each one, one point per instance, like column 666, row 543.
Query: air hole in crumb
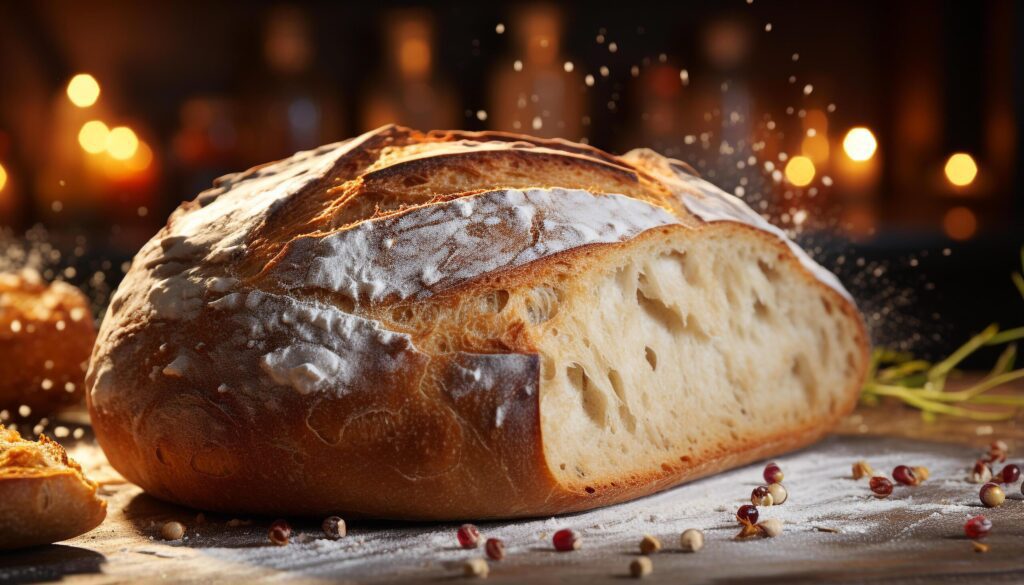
column 760, row 309
column 589, row 489
column 494, row 302
column 542, row 304
column 768, row 270
column 625, row 415
column 827, row 305
column 660, row 313
column 594, row 402
column 652, row 358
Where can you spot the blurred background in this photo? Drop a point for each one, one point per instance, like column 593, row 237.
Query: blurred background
column 885, row 136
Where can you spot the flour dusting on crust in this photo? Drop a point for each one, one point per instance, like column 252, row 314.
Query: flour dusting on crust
column 323, row 348
column 444, row 244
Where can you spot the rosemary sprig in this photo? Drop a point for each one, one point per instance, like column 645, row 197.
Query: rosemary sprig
column 922, row 384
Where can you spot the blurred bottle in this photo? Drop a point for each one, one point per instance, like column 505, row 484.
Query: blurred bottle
column 289, row 104
column 409, row 92
column 537, row 92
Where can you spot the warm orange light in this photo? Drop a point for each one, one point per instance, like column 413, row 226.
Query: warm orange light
column 960, row 223
column 860, row 144
column 93, row 137
column 3, row 177
column 122, row 143
column 83, row 90
column 800, row 171
column 961, row 169
column 815, row 148
column 142, row 159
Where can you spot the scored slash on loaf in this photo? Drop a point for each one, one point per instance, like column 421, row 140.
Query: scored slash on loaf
column 464, row 325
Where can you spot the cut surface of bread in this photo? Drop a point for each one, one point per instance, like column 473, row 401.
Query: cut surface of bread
column 44, row 497
column 464, row 325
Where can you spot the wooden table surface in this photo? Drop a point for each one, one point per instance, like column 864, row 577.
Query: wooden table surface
column 909, row 541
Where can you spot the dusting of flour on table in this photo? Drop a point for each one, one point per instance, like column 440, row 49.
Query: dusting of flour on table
column 822, row 495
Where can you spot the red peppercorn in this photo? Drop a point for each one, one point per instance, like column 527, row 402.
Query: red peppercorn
column 747, row 514
column 469, row 536
column 280, row 532
column 881, row 486
column 1009, row 474
column 773, row 473
column 905, row 475
column 977, row 527
column 495, row 549
column 566, row 540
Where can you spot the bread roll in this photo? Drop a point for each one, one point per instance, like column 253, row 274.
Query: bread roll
column 44, row 497
column 46, row 334
column 464, row 325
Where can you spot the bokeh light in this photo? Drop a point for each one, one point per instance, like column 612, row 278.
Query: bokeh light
column 961, row 169
column 83, row 90
column 142, row 159
column 960, row 223
column 860, row 144
column 93, row 137
column 800, row 171
column 3, row 177
column 122, row 143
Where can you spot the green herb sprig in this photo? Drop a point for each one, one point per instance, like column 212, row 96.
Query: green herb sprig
column 922, row 384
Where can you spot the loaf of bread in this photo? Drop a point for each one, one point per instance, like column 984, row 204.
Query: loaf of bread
column 46, row 334
column 44, row 497
column 464, row 325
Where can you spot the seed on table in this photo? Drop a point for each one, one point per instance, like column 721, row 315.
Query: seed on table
column 981, row 472
column 747, row 514
column 778, row 493
column 771, row 527
column 904, row 475
column 691, row 540
column 773, row 473
column 172, row 531
column 649, row 544
column 334, row 527
column 476, row 568
column 992, row 495
column 997, row 451
column 566, row 540
column 1009, row 474
column 495, row 549
column 922, row 473
column 641, row 567
column 761, row 496
column 280, row 532
column 862, row 469
column 979, row 547
column 880, row 486
column 977, row 527
column 468, row 536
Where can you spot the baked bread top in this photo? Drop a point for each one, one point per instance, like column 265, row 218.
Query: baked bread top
column 397, row 214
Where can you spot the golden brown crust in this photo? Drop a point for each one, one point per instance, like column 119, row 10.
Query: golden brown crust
column 419, row 440
column 44, row 497
column 46, row 335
